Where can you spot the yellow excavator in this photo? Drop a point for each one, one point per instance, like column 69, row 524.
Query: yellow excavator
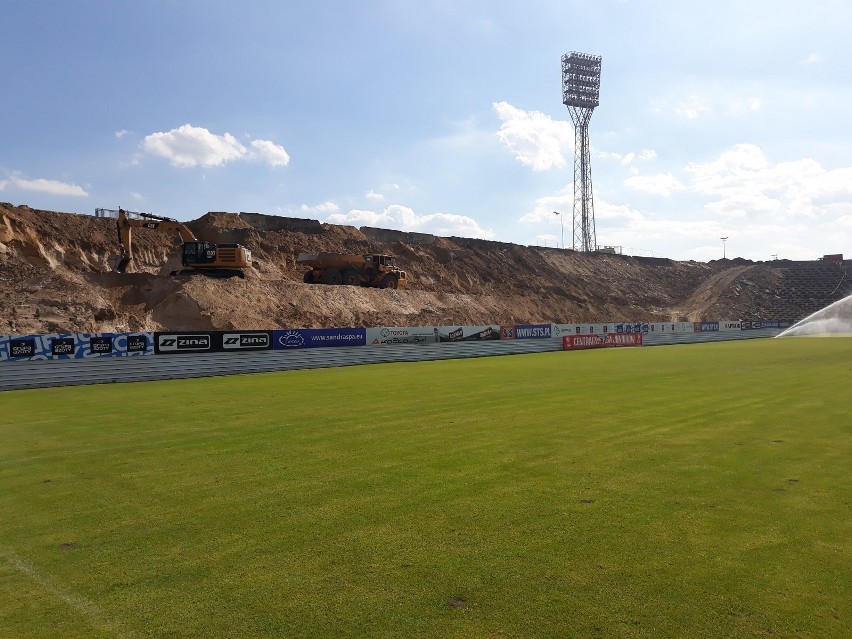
column 216, row 260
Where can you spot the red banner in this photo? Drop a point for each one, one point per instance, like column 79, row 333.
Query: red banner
column 605, row 340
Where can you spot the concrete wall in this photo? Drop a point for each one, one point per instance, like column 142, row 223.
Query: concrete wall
column 389, row 235
column 263, row 222
column 488, row 245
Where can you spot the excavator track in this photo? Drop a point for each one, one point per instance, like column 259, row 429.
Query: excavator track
column 215, row 273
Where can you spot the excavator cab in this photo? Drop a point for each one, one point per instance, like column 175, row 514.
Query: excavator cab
column 215, row 260
column 382, row 260
column 198, row 253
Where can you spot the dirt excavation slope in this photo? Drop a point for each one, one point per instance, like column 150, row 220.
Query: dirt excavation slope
column 56, row 274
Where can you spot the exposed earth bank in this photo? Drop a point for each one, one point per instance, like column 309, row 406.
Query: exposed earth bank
column 56, row 275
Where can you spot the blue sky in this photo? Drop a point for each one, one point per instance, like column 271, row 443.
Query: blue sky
column 717, row 119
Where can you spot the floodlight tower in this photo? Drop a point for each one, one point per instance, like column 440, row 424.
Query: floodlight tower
column 581, row 83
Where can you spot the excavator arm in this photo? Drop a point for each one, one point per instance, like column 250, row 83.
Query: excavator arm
column 126, row 224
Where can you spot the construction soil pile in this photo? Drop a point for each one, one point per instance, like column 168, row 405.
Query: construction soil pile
column 57, row 275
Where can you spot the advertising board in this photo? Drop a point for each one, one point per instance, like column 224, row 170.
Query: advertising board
column 318, row 338
column 75, row 345
column 671, row 327
column 730, row 325
column 633, row 327
column 392, row 335
column 605, row 340
column 559, row 330
column 467, row 333
column 172, row 343
column 507, row 332
column 705, row 327
column 246, row 340
column 533, row 331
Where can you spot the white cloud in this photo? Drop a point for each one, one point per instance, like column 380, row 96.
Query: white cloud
column 534, row 138
column 660, row 184
column 692, row 108
column 742, row 182
column 813, row 58
column 42, row 185
column 136, row 196
column 319, row 209
column 797, row 209
column 270, row 153
column 188, row 146
column 375, row 197
column 544, row 208
column 736, row 107
column 609, row 155
column 629, row 157
column 402, row 218
column 121, row 134
column 729, row 103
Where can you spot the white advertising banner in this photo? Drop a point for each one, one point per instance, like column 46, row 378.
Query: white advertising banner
column 672, row 327
column 562, row 330
column 402, row 335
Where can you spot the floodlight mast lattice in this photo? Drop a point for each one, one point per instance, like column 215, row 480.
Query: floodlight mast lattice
column 581, row 82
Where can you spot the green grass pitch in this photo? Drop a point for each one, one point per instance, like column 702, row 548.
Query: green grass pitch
column 681, row 491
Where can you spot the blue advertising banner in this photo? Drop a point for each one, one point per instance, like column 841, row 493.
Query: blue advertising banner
column 318, row 337
column 532, row 331
column 75, row 345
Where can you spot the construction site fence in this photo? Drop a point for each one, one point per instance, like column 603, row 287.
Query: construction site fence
column 34, row 361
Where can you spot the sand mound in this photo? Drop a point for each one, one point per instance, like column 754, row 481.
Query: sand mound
column 56, row 275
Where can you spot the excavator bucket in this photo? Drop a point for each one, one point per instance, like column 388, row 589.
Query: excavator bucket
column 122, row 264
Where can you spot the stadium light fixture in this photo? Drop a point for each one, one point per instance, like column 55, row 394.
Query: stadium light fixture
column 724, row 241
column 581, row 80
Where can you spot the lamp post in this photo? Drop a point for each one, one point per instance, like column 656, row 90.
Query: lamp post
column 561, row 226
column 724, row 239
column 581, row 84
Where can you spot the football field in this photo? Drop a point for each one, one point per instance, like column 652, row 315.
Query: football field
column 699, row 490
